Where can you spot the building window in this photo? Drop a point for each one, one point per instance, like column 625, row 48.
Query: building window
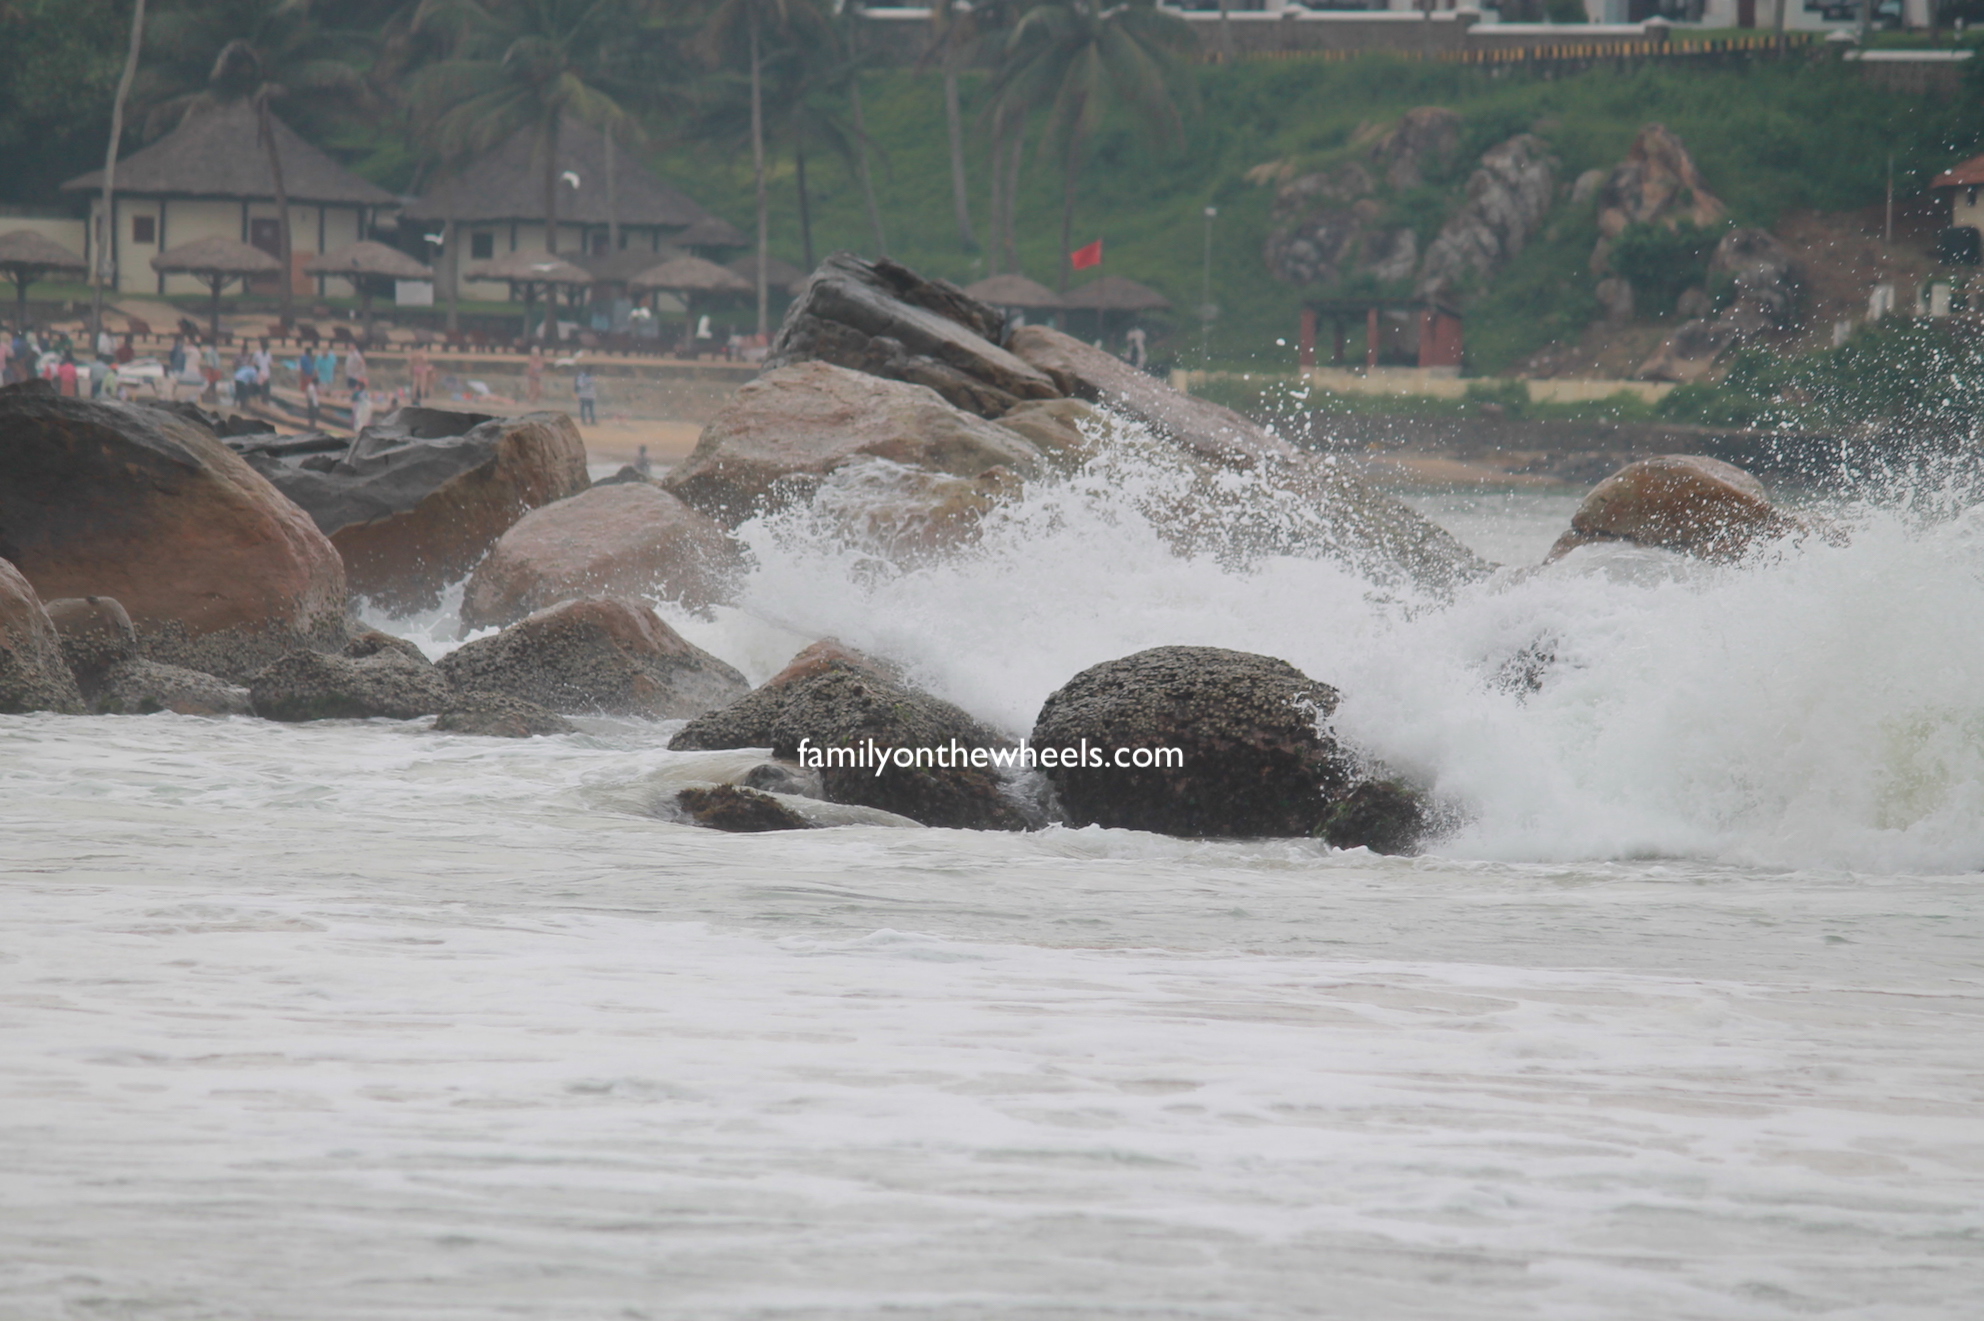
column 481, row 247
column 1970, row 197
column 144, row 229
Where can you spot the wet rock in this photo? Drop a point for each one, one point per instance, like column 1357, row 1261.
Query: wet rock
column 1681, row 502
column 140, row 687
column 597, row 656
column 372, row 642
column 777, row 777
column 1508, row 198
column 780, row 435
column 217, row 570
column 498, row 715
column 96, row 633
column 33, row 674
column 634, row 540
column 1383, row 816
column 734, row 808
column 310, row 685
column 1657, row 183
column 1255, row 762
column 1065, row 432
column 905, row 514
column 747, row 722
column 884, row 319
column 423, row 495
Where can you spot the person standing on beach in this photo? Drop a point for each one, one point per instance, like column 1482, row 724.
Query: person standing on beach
column 642, row 463
column 356, row 377
column 6, row 359
column 587, row 389
column 417, row 369
column 306, row 366
column 534, row 376
column 309, row 379
column 210, row 368
column 361, row 409
column 65, row 375
column 265, row 370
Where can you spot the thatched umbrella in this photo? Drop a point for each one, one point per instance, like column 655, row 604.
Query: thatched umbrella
column 711, row 232
column 689, row 276
column 1115, row 293
column 27, row 256
column 527, row 268
column 779, row 274
column 1015, row 290
column 216, row 260
column 364, row 262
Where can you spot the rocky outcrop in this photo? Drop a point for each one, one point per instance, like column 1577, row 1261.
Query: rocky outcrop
column 139, row 687
column 1657, row 184
column 778, row 436
column 1424, row 141
column 1680, row 502
column 906, row 514
column 593, row 657
column 33, row 674
column 1766, row 289
column 1204, row 429
column 96, row 634
column 1255, row 761
column 1507, row 201
column 1383, row 816
column 309, row 685
column 883, row 319
column 738, row 809
column 630, row 539
column 497, row 715
column 421, row 497
column 1065, row 432
column 217, row 570
column 824, row 710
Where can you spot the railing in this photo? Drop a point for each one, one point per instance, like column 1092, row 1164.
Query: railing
column 1639, row 48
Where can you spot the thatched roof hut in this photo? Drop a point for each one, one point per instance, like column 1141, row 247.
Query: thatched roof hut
column 26, row 257
column 526, row 266
column 215, row 261
column 712, row 232
column 1014, row 290
column 219, row 153
column 692, row 275
column 1115, row 293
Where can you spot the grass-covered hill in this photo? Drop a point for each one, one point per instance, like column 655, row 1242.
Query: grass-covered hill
column 1769, row 137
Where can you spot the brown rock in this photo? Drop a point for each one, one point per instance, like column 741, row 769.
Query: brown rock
column 217, row 570
column 423, row 496
column 138, row 687
column 597, row 656
column 747, row 722
column 631, row 539
column 1678, row 502
column 33, row 674
column 1206, row 430
column 1657, row 183
column 309, row 685
column 497, row 715
column 96, row 634
column 735, row 808
column 782, row 433
column 908, row 514
column 1066, row 432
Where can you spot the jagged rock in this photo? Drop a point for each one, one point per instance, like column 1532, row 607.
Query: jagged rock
column 1682, row 502
column 886, row 320
column 1255, row 761
column 139, row 687
column 33, row 674
column 906, row 514
column 1689, row 353
column 96, row 633
column 597, row 656
column 217, row 570
column 424, row 494
column 499, row 715
column 779, row 435
column 372, row 642
column 310, row 685
column 1587, row 186
column 734, row 808
column 1383, row 816
column 1615, row 296
column 1692, row 303
column 633, row 539
column 1657, row 183
column 1065, row 432
column 1767, row 285
column 1507, row 201
column 1328, row 225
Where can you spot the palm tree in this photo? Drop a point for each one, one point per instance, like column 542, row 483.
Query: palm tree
column 954, row 32
column 517, row 65
column 1079, row 59
column 851, row 16
column 267, row 51
column 102, row 248
column 743, row 28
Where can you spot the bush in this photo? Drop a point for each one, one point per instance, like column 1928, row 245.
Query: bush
column 1661, row 262
column 1565, row 11
column 1512, row 397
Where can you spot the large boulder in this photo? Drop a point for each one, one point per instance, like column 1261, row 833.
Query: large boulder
column 97, row 635
column 906, row 514
column 218, row 571
column 883, row 319
column 832, row 709
column 498, row 715
column 1657, row 183
column 33, row 674
column 309, row 685
column 1210, row 432
column 1508, row 198
column 597, row 656
column 630, row 539
column 138, row 687
column 778, row 436
column 421, row 497
column 1680, row 502
column 1251, row 757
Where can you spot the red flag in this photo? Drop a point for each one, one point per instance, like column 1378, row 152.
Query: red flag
column 1083, row 258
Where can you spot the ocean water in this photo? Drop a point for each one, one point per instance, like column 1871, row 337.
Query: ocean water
column 1683, row 1018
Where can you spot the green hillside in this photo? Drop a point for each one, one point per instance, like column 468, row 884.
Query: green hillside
column 1768, row 137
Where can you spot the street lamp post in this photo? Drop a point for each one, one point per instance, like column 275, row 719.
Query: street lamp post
column 1206, row 310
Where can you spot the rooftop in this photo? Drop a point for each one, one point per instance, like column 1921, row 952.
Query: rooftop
column 219, row 153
